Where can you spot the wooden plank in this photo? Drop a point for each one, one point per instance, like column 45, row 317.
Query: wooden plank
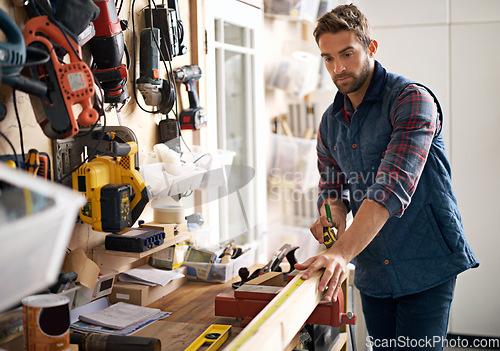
column 118, row 263
column 339, row 343
column 278, row 323
column 269, row 279
column 171, row 230
column 175, row 336
column 294, row 343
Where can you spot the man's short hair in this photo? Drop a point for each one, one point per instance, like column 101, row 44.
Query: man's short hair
column 344, row 17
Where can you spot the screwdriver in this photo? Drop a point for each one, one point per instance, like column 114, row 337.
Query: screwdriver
column 328, row 234
column 32, row 161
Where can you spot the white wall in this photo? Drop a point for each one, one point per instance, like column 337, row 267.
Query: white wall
column 475, row 73
column 452, row 46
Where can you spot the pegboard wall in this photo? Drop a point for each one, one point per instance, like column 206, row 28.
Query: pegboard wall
column 144, row 125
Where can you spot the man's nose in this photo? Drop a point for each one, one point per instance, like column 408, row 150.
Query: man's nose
column 338, row 68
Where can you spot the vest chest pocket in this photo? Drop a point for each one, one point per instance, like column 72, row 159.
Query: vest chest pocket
column 375, row 150
column 340, row 155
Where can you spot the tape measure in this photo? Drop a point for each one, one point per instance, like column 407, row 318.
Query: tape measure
column 215, row 335
column 329, row 236
column 248, row 332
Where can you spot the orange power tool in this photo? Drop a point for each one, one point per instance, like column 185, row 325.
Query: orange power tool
column 68, row 84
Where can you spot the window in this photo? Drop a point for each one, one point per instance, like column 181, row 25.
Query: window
column 235, row 91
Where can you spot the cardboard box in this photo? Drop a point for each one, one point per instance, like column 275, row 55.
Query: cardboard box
column 143, row 295
column 171, row 230
column 170, row 258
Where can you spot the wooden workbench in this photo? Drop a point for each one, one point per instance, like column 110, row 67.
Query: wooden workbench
column 192, row 307
column 193, row 310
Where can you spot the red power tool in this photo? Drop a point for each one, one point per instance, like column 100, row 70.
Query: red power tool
column 108, row 47
column 67, row 84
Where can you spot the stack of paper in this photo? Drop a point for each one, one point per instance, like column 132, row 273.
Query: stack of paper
column 148, row 275
column 119, row 315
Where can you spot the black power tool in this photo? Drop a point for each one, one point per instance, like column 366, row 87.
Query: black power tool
column 13, row 58
column 194, row 117
column 156, row 91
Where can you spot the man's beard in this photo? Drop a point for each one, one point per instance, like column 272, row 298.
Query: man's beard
column 357, row 81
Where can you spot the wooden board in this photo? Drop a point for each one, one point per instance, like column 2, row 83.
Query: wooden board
column 340, row 342
column 123, row 261
column 269, row 279
column 171, row 230
column 175, row 336
column 119, row 263
column 278, row 323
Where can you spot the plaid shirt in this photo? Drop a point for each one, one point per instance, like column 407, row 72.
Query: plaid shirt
column 405, row 157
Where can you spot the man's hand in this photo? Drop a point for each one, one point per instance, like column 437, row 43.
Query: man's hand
column 335, row 266
column 370, row 218
column 339, row 213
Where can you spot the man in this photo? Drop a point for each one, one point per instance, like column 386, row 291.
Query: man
column 381, row 155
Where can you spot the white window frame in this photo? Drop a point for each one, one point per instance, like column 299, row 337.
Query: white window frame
column 250, row 17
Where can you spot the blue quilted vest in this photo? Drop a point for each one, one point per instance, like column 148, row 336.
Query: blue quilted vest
column 425, row 246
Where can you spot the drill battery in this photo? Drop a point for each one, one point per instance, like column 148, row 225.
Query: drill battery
column 115, row 207
column 135, row 240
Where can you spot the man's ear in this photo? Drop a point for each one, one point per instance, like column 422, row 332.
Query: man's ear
column 372, row 47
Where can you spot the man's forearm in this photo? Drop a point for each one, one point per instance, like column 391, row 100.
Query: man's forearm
column 368, row 221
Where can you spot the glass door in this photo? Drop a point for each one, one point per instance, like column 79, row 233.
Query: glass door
column 235, row 87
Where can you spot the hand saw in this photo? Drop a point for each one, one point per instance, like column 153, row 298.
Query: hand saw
column 68, row 84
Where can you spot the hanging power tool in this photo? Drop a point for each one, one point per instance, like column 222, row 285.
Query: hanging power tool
column 156, row 91
column 168, row 20
column 116, row 192
column 68, row 153
column 72, row 16
column 68, row 84
column 108, row 48
column 13, row 58
column 194, row 117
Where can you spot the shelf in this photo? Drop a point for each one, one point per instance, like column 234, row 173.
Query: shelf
column 175, row 240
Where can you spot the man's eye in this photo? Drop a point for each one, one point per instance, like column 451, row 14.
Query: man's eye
column 348, row 54
column 328, row 59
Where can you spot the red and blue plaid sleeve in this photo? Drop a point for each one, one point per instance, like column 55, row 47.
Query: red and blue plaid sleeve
column 415, row 123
